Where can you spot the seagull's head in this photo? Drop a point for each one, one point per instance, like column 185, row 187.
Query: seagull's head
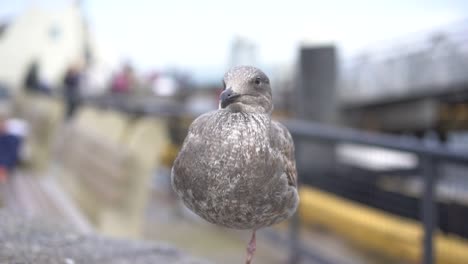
column 246, row 89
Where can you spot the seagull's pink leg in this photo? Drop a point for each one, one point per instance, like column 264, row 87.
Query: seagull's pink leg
column 251, row 248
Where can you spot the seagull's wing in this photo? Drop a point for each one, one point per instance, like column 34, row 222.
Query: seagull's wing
column 282, row 143
column 182, row 164
column 198, row 124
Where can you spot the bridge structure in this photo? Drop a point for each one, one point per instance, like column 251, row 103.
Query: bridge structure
column 425, row 75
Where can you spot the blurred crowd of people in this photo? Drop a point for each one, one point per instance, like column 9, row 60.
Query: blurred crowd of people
column 124, row 80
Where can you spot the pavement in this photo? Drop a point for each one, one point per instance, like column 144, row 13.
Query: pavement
column 30, row 240
column 74, row 241
column 35, row 229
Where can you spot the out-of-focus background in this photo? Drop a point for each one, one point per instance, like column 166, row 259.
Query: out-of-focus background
column 96, row 98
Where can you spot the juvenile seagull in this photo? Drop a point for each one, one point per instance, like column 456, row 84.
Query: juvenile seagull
column 236, row 167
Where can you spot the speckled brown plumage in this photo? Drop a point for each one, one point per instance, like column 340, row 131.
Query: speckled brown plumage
column 236, row 167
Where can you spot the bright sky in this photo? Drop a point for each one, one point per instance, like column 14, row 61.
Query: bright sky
column 196, row 35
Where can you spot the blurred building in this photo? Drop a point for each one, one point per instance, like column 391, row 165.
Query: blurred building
column 315, row 96
column 410, row 85
column 55, row 39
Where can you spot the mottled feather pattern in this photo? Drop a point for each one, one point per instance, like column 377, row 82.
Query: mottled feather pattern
column 239, row 185
column 284, row 144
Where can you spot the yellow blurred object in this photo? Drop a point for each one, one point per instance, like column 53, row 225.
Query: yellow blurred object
column 169, row 155
column 107, row 125
column 376, row 229
column 113, row 126
column 108, row 161
column 145, row 141
column 87, row 117
column 148, row 138
column 44, row 115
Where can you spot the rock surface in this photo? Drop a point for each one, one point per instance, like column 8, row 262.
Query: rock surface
column 25, row 240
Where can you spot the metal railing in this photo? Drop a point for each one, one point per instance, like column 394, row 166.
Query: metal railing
column 430, row 155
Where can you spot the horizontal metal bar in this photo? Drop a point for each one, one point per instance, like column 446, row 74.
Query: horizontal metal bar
column 397, row 172
column 315, row 131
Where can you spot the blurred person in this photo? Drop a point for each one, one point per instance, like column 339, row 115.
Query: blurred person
column 12, row 132
column 124, row 81
column 32, row 81
column 164, row 85
column 71, row 86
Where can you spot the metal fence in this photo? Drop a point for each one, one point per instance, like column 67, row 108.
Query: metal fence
column 430, row 156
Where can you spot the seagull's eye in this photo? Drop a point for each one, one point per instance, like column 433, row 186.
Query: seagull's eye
column 258, row 80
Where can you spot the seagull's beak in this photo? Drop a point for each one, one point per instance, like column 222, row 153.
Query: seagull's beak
column 227, row 97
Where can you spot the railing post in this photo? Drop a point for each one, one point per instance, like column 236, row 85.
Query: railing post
column 295, row 243
column 429, row 206
column 295, row 221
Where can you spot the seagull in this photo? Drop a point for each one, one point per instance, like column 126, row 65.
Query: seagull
column 236, row 167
